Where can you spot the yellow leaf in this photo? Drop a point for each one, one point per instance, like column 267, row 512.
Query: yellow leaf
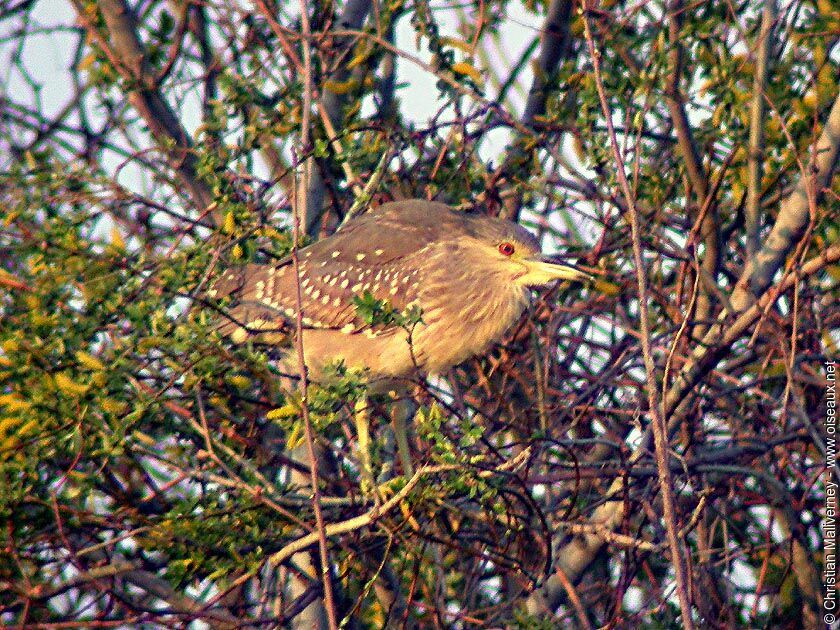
column 7, row 446
column 218, row 573
column 575, row 79
column 145, row 439
column 827, row 7
column 466, row 69
column 717, row 115
column 114, row 407
column 29, row 428
column 117, row 239
column 90, row 361
column 705, row 86
column 341, row 87
column 69, row 386
column 295, row 438
column 9, row 423
column 31, row 162
column 229, row 225
column 10, row 345
column 460, row 44
column 288, row 410
column 580, row 150
column 638, row 119
column 358, row 59
column 236, row 251
column 607, row 288
column 270, row 232
column 239, row 381
column 660, row 40
column 87, row 61
column 14, row 402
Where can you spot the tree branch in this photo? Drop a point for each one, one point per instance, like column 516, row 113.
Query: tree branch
column 657, row 417
column 352, row 18
column 126, row 53
column 326, row 571
column 575, row 557
column 370, row 517
column 752, row 213
column 555, row 44
column 793, row 215
column 710, row 228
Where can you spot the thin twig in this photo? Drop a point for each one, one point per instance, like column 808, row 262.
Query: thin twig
column 303, row 380
column 122, row 46
column 660, row 431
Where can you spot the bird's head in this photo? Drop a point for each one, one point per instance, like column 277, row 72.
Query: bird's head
column 508, row 250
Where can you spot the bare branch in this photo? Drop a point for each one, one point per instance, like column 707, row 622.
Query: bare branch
column 555, row 45
column 125, row 52
column 657, row 416
column 755, row 168
column 577, row 555
column 710, row 225
column 352, row 18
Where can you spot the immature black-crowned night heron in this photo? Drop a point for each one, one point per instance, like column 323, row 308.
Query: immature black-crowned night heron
column 470, row 276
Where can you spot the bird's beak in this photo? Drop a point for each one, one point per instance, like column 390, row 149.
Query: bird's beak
column 544, row 269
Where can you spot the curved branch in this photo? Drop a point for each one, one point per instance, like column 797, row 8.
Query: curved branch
column 126, row 53
column 372, row 515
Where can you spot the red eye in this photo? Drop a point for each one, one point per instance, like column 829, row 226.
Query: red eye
column 506, row 248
